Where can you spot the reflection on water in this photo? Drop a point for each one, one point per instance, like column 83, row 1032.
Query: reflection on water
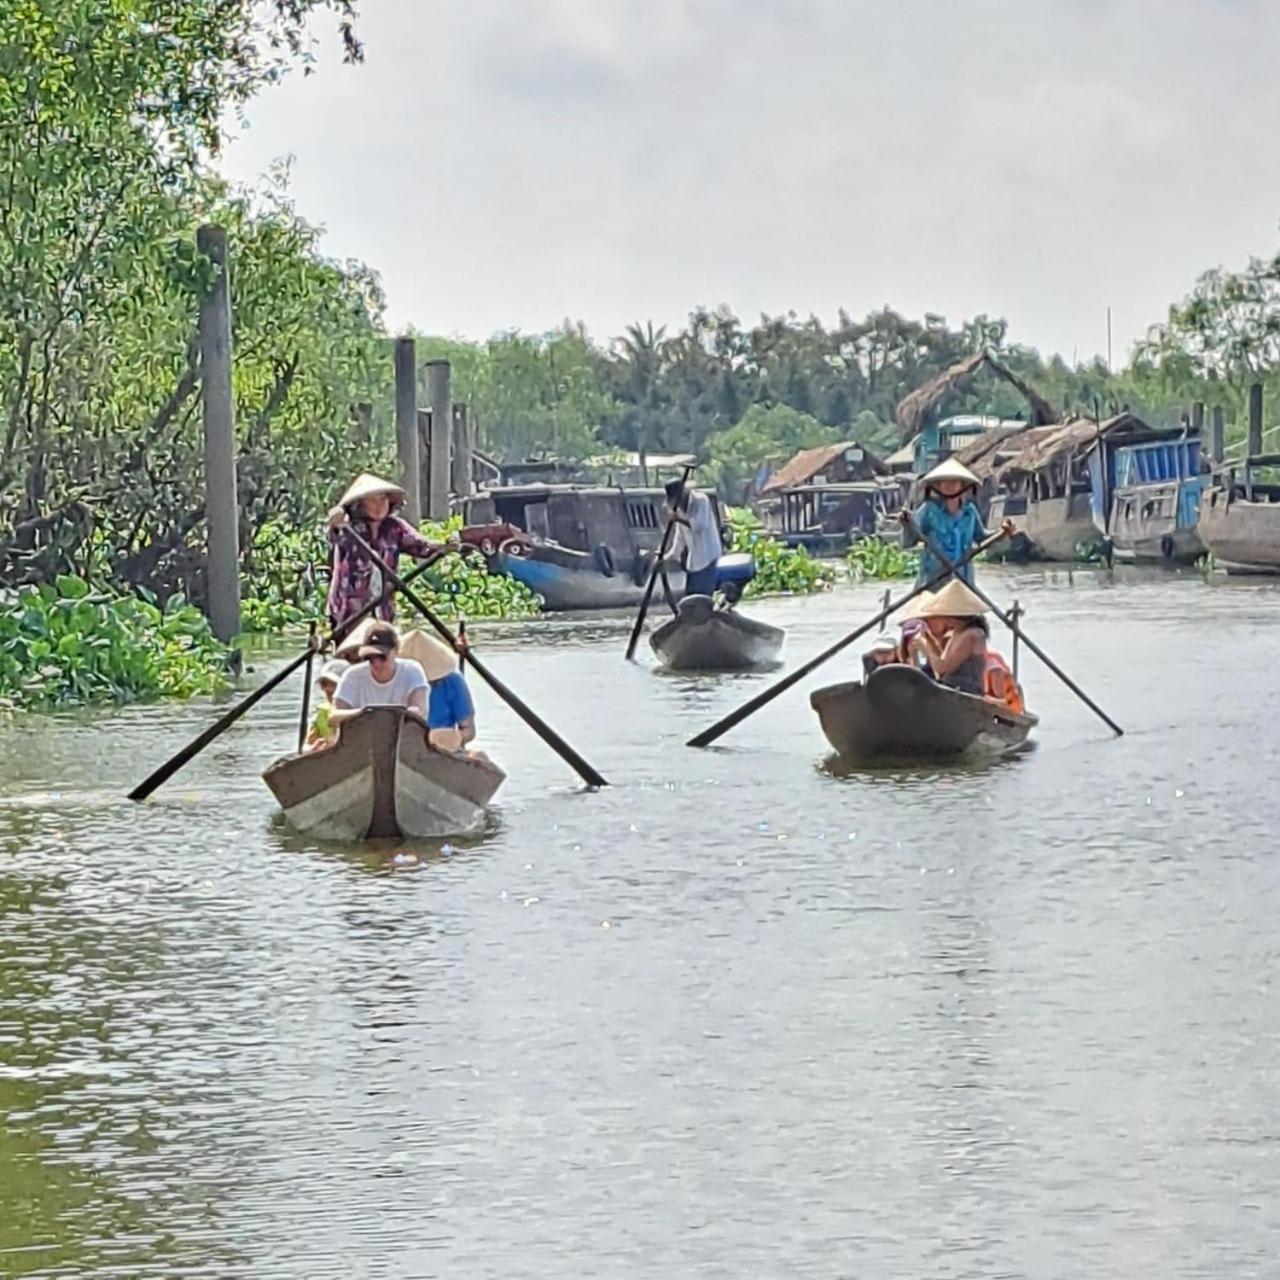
column 733, row 1015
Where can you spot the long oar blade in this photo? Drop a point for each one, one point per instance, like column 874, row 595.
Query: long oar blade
column 590, row 776
column 656, row 567
column 197, row 745
column 721, row 727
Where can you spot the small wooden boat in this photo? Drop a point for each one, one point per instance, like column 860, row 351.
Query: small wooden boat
column 901, row 714
column 703, row 638
column 381, row 779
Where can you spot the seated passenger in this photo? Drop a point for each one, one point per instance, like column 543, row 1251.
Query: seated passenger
column 322, row 732
column 1000, row 684
column 451, row 714
column 954, row 639
column 881, row 654
column 381, row 678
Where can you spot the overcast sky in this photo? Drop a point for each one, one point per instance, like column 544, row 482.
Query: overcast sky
column 509, row 163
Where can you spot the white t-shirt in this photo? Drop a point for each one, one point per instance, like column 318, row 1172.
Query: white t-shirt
column 358, row 688
column 701, row 539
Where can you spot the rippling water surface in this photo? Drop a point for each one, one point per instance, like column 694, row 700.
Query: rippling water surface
column 732, row 1016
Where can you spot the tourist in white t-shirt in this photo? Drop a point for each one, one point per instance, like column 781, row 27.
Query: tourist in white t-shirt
column 697, row 537
column 383, row 679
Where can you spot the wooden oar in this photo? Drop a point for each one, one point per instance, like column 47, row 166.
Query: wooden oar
column 1019, row 634
column 721, row 727
column 215, row 730
column 535, row 722
column 305, row 714
column 656, row 567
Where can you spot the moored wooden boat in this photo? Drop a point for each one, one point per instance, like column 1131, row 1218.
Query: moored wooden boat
column 381, row 779
column 1242, row 533
column 703, row 638
column 901, row 714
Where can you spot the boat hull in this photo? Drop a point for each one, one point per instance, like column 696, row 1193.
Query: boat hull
column 1243, row 537
column 1049, row 529
column 570, row 580
column 381, row 779
column 703, row 638
column 901, row 714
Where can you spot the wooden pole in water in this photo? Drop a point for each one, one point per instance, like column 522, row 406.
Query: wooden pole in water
column 217, row 401
column 406, row 364
column 1016, row 614
column 440, row 398
column 1217, row 436
column 460, row 481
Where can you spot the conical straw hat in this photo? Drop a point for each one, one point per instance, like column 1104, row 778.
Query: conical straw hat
column 435, row 657
column 367, row 485
column 350, row 646
column 912, row 609
column 951, row 469
column 955, row 600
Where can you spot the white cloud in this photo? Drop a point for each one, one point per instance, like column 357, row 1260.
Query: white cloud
column 510, row 162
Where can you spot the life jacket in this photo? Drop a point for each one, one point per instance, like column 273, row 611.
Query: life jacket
column 1011, row 696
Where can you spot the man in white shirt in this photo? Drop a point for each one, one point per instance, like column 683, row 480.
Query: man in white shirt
column 383, row 679
column 697, row 536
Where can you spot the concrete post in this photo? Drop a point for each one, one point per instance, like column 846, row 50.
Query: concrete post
column 217, row 402
column 406, row 363
column 1217, row 436
column 1255, row 421
column 440, row 397
column 460, row 482
column 1197, row 417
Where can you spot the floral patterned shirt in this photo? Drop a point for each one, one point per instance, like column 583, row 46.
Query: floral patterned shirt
column 356, row 579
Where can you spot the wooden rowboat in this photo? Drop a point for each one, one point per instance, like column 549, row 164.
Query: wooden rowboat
column 901, row 714
column 703, row 638
column 381, row 779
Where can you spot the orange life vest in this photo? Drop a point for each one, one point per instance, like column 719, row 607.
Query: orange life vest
column 1003, row 690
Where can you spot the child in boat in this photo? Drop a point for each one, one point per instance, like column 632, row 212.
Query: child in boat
column 451, row 714
column 322, row 733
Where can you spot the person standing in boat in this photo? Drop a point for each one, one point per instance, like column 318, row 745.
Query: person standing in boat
column 380, row 678
column 368, row 508
column 697, row 537
column 948, row 517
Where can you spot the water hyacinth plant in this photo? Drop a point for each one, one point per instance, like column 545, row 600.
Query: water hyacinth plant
column 62, row 644
column 779, row 568
column 869, row 558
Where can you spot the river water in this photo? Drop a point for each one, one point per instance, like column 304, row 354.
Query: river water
column 733, row 1016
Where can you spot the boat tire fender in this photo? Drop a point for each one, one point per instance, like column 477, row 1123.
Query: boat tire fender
column 512, row 547
column 604, row 560
column 1166, row 547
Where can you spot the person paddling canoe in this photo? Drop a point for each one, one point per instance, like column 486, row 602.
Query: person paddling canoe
column 368, row 508
column 948, row 517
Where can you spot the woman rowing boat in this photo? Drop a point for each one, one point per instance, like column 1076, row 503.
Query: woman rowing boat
column 949, row 518
column 368, row 509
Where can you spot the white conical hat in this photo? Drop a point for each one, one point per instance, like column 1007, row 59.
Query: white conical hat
column 955, row 600
column 951, row 469
column 432, row 655
column 367, row 485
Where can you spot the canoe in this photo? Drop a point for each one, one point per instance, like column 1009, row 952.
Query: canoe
column 703, row 638
column 901, row 714
column 381, row 779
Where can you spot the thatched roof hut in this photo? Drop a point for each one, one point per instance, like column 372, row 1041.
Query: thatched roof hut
column 915, row 407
